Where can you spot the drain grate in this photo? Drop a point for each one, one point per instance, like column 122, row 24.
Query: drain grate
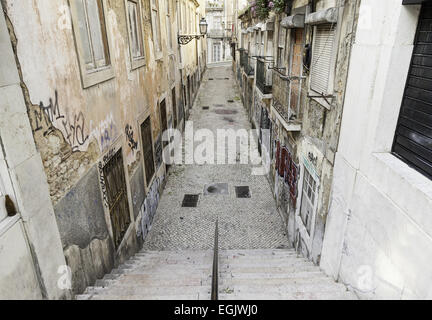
column 230, row 101
column 210, row 78
column 219, row 105
column 190, row 200
column 205, row 107
column 242, row 192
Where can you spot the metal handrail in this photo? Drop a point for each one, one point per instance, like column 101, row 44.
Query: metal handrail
column 215, row 274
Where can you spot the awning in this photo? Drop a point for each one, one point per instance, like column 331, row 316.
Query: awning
column 324, row 16
column 295, row 21
column 250, row 29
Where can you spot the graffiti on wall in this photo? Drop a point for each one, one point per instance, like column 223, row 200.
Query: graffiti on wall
column 105, row 132
column 48, row 117
column 288, row 170
column 130, row 138
column 149, row 206
column 158, row 151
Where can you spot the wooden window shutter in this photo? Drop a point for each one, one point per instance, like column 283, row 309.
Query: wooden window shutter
column 322, row 56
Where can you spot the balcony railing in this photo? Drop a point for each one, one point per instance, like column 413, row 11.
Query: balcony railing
column 286, row 92
column 247, row 62
column 264, row 74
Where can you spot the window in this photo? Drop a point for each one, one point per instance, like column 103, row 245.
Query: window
column 156, row 27
column 88, row 18
column 183, row 18
column 147, row 143
column 174, row 105
column 136, row 47
column 163, row 118
column 309, row 199
column 216, row 52
column 323, row 58
column 413, row 137
column 280, row 58
column 168, row 24
column 296, row 69
column 257, row 43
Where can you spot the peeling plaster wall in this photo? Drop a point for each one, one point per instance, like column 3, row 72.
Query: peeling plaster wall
column 74, row 128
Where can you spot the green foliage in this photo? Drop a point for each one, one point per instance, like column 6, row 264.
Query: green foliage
column 261, row 8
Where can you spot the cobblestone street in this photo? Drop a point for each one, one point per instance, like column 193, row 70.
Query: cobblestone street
column 243, row 222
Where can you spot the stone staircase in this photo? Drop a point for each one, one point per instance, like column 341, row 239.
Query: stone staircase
column 243, row 274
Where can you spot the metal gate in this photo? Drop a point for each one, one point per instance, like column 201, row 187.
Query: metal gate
column 115, row 183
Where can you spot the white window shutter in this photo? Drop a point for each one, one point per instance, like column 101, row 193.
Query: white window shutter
column 322, row 56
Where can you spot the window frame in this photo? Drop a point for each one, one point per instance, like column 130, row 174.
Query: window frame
column 139, row 61
column 89, row 79
column 168, row 25
column 157, row 37
column 333, row 64
column 281, row 62
column 141, row 120
column 307, row 236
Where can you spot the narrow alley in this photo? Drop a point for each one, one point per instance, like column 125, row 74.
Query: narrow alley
column 215, row 149
column 243, row 222
column 255, row 260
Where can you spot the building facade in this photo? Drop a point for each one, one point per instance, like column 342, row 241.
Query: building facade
column 378, row 234
column 343, row 88
column 219, row 19
column 291, row 66
column 89, row 87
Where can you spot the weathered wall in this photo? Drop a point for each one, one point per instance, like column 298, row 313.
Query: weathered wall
column 74, row 128
column 30, row 246
column 313, row 145
column 378, row 236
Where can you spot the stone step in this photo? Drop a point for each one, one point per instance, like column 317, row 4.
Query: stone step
column 237, row 275
column 156, row 291
column 264, row 261
column 172, row 260
column 267, row 269
column 297, row 266
column 196, row 296
column 258, row 252
column 161, row 268
column 329, row 295
column 180, row 253
column 275, row 282
column 260, row 257
column 282, row 288
column 148, row 281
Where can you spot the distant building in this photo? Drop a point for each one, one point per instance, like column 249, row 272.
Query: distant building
column 219, row 19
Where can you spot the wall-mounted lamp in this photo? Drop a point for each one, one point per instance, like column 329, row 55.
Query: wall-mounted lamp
column 185, row 39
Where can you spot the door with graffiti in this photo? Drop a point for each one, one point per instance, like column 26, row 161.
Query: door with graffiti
column 116, row 196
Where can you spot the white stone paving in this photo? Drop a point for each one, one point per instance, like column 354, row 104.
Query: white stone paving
column 243, row 223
